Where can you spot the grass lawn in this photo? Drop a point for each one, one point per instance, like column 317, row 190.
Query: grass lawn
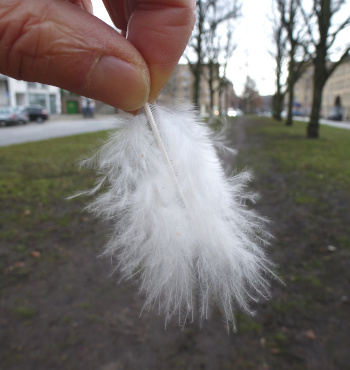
column 35, row 180
column 305, row 191
column 316, row 172
column 324, row 161
column 59, row 310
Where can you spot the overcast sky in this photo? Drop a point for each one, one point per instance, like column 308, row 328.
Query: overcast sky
column 253, row 36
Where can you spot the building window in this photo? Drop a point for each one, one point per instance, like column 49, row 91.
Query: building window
column 53, row 105
column 38, row 99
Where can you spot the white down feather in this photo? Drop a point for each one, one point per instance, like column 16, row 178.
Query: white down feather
column 189, row 254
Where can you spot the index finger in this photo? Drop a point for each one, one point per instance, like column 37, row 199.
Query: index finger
column 159, row 30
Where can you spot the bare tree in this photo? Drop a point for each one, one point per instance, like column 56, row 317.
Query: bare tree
column 251, row 98
column 197, row 45
column 205, row 47
column 228, row 50
column 213, row 46
column 321, row 37
column 220, row 47
column 288, row 10
column 279, row 55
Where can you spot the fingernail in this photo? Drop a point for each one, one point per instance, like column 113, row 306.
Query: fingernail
column 119, row 84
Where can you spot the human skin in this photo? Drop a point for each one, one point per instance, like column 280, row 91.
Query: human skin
column 61, row 43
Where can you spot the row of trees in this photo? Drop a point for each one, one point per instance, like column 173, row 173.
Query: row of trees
column 306, row 37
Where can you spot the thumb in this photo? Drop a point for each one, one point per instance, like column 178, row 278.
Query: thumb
column 57, row 43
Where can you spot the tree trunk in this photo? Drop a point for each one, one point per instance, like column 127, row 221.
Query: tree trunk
column 220, row 108
column 277, row 106
column 197, row 67
column 211, row 86
column 291, row 82
column 289, row 120
column 320, row 79
column 313, row 126
column 196, row 85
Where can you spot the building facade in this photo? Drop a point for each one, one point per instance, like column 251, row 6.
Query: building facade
column 337, row 88
column 14, row 93
column 179, row 89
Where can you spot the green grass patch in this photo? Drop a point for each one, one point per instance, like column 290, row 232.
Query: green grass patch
column 36, row 178
column 24, row 312
column 246, row 324
column 42, row 170
column 308, row 279
column 324, row 161
column 35, row 174
column 315, row 174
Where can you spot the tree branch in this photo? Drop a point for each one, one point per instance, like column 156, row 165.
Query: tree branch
column 306, row 21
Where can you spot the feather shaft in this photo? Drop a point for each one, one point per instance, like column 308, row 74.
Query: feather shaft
column 166, row 158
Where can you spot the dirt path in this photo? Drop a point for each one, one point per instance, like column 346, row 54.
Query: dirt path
column 65, row 313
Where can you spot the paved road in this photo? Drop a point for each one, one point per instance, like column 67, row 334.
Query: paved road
column 66, row 126
column 53, row 128
column 327, row 122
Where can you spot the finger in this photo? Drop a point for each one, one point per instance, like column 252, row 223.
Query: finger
column 116, row 11
column 83, row 4
column 56, row 43
column 159, row 29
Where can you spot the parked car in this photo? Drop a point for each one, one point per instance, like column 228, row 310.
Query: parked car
column 297, row 113
column 37, row 113
column 22, row 117
column 234, row 112
column 7, row 117
column 336, row 114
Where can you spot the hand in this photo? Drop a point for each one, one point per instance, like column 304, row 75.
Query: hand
column 59, row 42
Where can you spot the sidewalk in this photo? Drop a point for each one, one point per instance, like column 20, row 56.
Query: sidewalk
column 339, row 124
column 76, row 117
column 56, row 126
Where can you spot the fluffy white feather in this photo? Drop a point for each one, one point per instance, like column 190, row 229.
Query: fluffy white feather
column 188, row 236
